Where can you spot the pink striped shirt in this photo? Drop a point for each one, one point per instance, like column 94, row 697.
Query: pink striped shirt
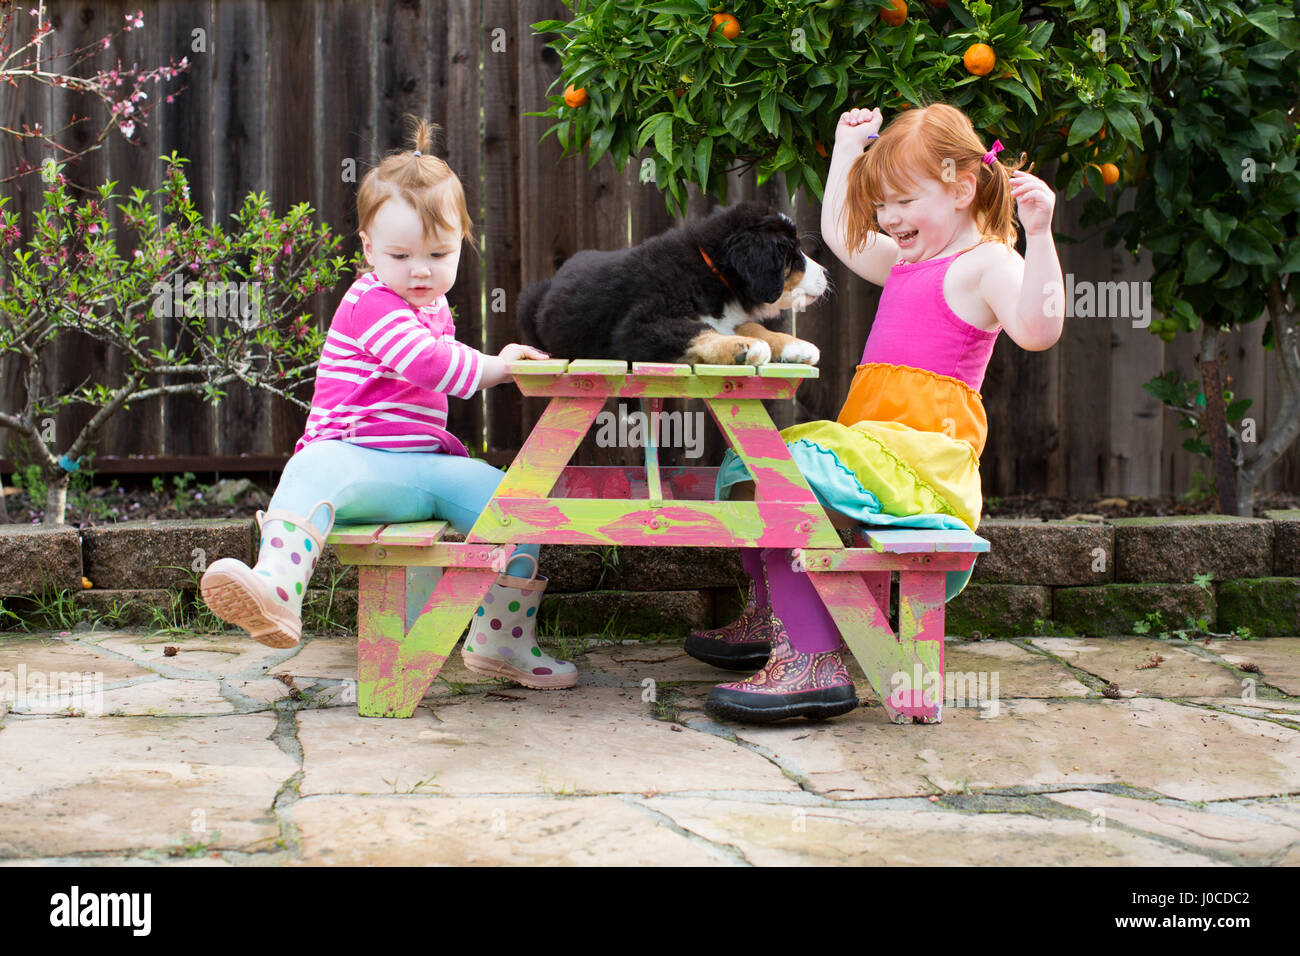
column 386, row 371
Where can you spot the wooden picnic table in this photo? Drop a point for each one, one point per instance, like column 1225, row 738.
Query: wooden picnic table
column 543, row 500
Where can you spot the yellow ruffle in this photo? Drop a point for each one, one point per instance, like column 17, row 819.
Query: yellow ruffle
column 910, row 471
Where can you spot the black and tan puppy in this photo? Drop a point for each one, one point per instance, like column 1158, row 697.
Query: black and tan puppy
column 700, row 293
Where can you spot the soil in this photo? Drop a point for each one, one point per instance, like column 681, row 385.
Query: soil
column 122, row 502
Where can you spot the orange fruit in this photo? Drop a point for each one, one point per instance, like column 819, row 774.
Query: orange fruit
column 979, row 58
column 821, row 150
column 895, row 14
column 1109, row 173
column 575, row 98
column 727, row 23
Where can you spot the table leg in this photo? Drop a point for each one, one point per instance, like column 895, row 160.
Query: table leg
column 395, row 667
column 899, row 671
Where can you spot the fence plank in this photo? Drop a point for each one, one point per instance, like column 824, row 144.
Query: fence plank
column 240, row 165
column 504, row 44
column 456, row 100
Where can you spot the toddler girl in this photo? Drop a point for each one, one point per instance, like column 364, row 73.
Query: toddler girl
column 376, row 448
column 926, row 212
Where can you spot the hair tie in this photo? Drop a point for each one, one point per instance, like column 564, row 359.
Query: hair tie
column 991, row 155
column 417, row 153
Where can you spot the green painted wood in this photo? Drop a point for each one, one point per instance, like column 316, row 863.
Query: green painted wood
column 537, row 367
column 787, row 370
column 444, row 554
column 413, row 532
column 730, row 371
column 715, row 524
column 597, row 367
column 650, row 408
column 656, row 386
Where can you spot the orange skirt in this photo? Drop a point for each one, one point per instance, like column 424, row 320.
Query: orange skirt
column 918, row 398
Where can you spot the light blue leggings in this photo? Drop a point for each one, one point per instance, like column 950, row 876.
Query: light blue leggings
column 369, row 485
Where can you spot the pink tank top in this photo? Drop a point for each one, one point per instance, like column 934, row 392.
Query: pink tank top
column 915, row 327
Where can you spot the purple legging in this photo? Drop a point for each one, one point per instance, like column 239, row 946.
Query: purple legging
column 794, row 599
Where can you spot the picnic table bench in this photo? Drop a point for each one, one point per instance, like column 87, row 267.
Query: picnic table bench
column 543, row 500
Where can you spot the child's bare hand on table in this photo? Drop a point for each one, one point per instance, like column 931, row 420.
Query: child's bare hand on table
column 494, row 366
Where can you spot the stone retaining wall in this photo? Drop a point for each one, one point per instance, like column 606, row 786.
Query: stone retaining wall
column 1065, row 576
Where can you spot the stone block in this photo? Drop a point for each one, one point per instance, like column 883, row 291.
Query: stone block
column 998, row 610
column 1177, row 548
column 33, row 557
column 620, row 613
column 1114, row 608
column 1269, row 607
column 1286, row 541
column 1054, row 553
column 136, row 555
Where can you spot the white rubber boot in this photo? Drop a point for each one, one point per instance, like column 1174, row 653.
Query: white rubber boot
column 502, row 640
column 266, row 599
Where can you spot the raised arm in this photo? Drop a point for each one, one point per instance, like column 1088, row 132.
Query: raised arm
column 874, row 261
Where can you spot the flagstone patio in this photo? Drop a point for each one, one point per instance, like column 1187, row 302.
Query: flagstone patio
column 189, row 749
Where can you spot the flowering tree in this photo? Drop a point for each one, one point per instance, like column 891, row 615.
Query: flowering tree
column 121, row 91
column 236, row 297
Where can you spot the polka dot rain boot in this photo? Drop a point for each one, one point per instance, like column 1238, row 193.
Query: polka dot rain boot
column 502, row 639
column 266, row 599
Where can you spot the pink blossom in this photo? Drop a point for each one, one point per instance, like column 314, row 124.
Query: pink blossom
column 127, row 129
column 94, row 229
column 105, row 43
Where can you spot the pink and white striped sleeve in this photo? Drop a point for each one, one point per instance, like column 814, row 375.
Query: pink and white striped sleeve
column 387, row 328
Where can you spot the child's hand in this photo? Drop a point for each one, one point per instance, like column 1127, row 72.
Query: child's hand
column 1034, row 202
column 514, row 352
column 855, row 129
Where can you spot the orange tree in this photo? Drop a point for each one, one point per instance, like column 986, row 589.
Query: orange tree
column 1220, row 214
column 1095, row 88
column 1051, row 79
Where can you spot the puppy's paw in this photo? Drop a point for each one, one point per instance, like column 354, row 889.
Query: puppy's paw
column 801, row 352
column 752, row 352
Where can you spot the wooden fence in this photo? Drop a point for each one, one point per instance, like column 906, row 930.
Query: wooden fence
column 285, row 92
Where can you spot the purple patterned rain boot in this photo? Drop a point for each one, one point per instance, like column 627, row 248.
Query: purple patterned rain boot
column 805, row 674
column 745, row 643
column 791, row 684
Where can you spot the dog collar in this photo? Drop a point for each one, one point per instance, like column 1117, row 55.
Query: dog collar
column 715, row 270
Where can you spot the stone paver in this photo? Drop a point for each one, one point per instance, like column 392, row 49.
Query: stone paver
column 491, row 831
column 1181, row 673
column 49, row 654
column 784, row 836
column 1021, row 673
column 137, row 782
column 1179, row 751
column 1278, row 659
column 188, row 750
column 1226, row 829
column 599, row 740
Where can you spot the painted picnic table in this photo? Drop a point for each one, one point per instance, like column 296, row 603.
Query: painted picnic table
column 542, row 501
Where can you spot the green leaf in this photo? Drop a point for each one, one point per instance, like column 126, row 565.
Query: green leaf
column 1085, row 124
column 1291, row 260
column 1248, row 246
column 1201, row 260
column 767, row 112
column 1218, row 224
column 1122, row 121
column 1015, row 89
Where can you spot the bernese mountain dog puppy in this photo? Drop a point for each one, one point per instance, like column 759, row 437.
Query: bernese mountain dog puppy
column 700, row 293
